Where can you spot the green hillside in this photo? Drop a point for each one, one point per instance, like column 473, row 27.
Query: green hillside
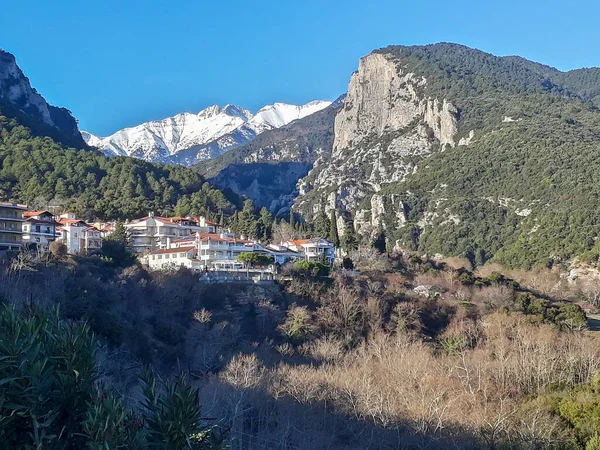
column 39, row 170
column 525, row 191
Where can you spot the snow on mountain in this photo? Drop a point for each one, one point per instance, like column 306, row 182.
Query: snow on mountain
column 188, row 138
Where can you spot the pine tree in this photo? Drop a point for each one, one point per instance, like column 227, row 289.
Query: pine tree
column 322, row 225
column 265, row 224
column 333, row 233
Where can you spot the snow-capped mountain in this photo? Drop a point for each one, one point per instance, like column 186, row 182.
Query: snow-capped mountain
column 188, row 138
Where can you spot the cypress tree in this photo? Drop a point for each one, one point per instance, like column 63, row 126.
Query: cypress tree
column 333, row 232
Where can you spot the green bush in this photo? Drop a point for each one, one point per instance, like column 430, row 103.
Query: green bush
column 50, row 398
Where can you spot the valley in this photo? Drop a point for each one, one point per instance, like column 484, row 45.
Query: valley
column 412, row 265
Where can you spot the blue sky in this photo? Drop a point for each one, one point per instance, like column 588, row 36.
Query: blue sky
column 119, row 63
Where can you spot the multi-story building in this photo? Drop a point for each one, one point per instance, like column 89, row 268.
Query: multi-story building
column 78, row 236
column 313, row 250
column 152, row 232
column 279, row 253
column 222, row 250
column 11, row 225
column 39, row 229
column 172, row 258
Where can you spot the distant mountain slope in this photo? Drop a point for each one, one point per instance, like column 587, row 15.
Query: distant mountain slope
column 455, row 151
column 39, row 166
column 21, row 101
column 188, row 138
column 268, row 168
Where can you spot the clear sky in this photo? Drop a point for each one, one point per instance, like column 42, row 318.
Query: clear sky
column 117, row 63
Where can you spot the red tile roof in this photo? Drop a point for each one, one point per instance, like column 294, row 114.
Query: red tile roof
column 35, row 213
column 298, row 242
column 172, row 250
column 67, row 221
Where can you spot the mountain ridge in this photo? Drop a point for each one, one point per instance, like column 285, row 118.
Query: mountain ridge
column 187, row 138
column 20, row 100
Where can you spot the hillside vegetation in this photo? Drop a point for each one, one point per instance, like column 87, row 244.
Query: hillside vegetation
column 411, row 351
column 525, row 191
column 40, row 171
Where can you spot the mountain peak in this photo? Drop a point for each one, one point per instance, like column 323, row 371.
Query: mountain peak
column 16, row 90
column 188, row 138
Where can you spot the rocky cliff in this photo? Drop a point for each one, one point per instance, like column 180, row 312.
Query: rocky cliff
column 17, row 97
column 385, row 127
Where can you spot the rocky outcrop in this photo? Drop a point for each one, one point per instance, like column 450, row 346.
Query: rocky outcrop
column 16, row 92
column 385, row 127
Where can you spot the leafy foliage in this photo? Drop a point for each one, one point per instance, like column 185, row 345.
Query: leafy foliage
column 50, row 399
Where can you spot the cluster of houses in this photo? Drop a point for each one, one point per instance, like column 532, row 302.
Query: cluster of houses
column 160, row 242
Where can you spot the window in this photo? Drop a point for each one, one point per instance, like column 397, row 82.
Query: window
column 159, row 256
column 153, row 257
column 182, row 255
column 167, row 256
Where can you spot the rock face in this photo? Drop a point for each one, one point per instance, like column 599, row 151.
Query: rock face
column 16, row 91
column 384, row 128
column 267, row 169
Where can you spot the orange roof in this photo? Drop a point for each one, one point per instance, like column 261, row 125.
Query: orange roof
column 67, row 221
column 208, row 222
column 172, row 250
column 35, row 213
column 217, row 237
column 108, row 227
column 298, row 242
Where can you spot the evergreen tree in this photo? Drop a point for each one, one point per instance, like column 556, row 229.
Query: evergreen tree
column 333, row 233
column 265, row 224
column 292, row 219
column 247, row 223
column 322, row 225
column 349, row 240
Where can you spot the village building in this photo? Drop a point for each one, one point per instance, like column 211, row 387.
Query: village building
column 152, row 232
column 11, row 225
column 39, row 229
column 312, row 250
column 173, row 258
column 78, row 236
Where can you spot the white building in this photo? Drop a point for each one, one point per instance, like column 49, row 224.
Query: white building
column 154, row 233
column 173, row 258
column 39, row 228
column 78, row 236
column 222, row 250
column 280, row 254
column 312, row 250
column 11, row 225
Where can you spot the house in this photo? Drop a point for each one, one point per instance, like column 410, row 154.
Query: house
column 106, row 228
column 78, row 236
column 280, row 254
column 221, row 250
column 154, row 232
column 11, row 225
column 312, row 250
column 92, row 240
column 168, row 258
column 39, row 228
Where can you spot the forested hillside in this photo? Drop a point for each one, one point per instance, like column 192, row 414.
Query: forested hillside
column 40, row 171
column 454, row 151
column 525, row 190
